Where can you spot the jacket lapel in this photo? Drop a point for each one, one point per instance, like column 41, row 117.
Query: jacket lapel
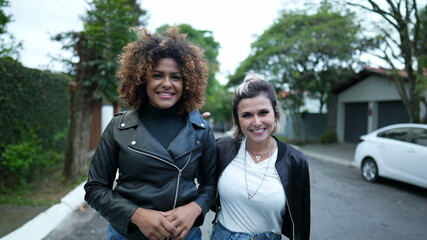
column 142, row 140
column 185, row 142
column 187, row 139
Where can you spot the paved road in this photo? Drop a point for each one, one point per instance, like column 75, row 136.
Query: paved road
column 84, row 223
column 344, row 207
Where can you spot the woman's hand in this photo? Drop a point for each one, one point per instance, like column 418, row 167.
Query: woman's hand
column 153, row 224
column 183, row 219
column 206, row 115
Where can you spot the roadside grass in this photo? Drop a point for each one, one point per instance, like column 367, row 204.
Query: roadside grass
column 47, row 191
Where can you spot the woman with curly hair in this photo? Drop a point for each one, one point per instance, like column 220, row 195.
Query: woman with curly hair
column 159, row 147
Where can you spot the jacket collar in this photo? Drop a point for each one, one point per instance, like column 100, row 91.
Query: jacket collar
column 130, row 119
column 143, row 141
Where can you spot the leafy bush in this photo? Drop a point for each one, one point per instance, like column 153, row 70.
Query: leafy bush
column 24, row 162
column 32, row 100
column 18, row 162
column 34, row 119
column 328, row 136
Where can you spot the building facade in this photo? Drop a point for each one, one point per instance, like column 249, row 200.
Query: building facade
column 367, row 102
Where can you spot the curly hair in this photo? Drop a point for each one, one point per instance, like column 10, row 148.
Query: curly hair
column 139, row 58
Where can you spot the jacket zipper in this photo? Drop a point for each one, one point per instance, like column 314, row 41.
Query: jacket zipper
column 167, row 162
column 178, row 180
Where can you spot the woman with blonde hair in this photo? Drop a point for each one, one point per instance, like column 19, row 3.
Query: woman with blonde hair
column 264, row 183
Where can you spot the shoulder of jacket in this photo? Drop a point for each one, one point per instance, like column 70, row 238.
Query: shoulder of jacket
column 120, row 113
column 285, row 149
column 225, row 140
column 293, row 150
column 196, row 119
column 126, row 119
column 290, row 152
column 226, row 143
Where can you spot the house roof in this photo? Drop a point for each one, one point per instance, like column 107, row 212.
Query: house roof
column 367, row 72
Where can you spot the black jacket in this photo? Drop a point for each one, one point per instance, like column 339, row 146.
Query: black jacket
column 150, row 176
column 292, row 167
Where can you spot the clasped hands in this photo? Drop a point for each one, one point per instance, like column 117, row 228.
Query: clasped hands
column 175, row 224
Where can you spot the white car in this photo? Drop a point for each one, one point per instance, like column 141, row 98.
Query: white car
column 397, row 152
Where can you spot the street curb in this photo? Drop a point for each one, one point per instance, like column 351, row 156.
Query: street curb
column 328, row 158
column 41, row 225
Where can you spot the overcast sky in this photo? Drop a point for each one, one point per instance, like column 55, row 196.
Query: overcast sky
column 233, row 23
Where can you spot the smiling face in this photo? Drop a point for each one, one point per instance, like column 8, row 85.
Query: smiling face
column 165, row 84
column 256, row 118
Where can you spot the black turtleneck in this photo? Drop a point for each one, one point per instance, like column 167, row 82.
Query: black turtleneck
column 164, row 124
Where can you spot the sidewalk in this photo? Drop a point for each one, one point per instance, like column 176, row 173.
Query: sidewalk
column 40, row 226
column 340, row 153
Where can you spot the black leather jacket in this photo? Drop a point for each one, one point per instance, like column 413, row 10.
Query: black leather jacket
column 292, row 167
column 150, row 176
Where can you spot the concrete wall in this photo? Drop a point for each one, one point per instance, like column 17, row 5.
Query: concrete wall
column 107, row 114
column 312, row 126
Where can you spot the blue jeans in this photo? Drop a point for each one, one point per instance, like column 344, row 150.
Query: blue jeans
column 112, row 234
column 219, row 232
column 193, row 234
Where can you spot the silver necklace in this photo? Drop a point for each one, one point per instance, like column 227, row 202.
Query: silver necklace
column 258, row 157
column 251, row 195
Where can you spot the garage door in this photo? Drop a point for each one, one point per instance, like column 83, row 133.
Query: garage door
column 356, row 121
column 391, row 112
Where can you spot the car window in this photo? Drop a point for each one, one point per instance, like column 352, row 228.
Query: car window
column 419, row 136
column 396, row 134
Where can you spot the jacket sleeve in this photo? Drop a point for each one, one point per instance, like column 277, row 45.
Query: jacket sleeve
column 207, row 177
column 306, row 200
column 99, row 187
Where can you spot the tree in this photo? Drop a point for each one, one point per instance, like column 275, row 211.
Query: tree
column 308, row 53
column 422, row 59
column 218, row 103
column 404, row 44
column 9, row 47
column 106, row 31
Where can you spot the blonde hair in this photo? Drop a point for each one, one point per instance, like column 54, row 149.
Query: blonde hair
column 254, row 85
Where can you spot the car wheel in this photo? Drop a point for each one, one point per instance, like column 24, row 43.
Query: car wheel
column 369, row 170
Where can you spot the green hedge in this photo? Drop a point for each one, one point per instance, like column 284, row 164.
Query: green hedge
column 34, row 113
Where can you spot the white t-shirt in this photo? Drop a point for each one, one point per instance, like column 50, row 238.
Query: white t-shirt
column 263, row 212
